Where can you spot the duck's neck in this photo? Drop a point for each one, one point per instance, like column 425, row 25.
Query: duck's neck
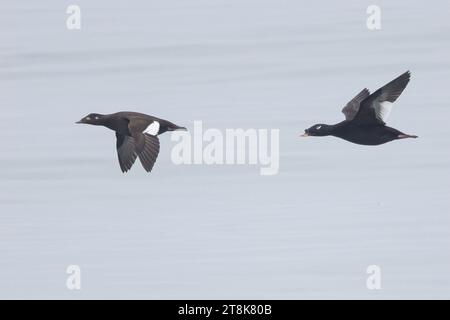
column 108, row 121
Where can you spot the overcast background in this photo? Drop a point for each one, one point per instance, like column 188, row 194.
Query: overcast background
column 191, row 232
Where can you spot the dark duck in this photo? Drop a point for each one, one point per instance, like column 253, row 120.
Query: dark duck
column 136, row 133
column 365, row 116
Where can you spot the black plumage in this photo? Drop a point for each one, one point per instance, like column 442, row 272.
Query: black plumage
column 136, row 134
column 365, row 116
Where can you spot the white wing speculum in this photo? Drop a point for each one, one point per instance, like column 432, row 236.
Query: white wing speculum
column 153, row 128
column 382, row 109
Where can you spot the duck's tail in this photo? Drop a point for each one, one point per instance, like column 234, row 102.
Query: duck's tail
column 404, row 136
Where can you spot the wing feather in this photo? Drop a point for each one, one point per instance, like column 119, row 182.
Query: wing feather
column 150, row 152
column 126, row 151
column 351, row 109
column 377, row 107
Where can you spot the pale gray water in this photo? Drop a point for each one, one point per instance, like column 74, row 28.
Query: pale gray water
column 222, row 231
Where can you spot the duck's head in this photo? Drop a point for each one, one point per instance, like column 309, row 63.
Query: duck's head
column 92, row 118
column 318, row 130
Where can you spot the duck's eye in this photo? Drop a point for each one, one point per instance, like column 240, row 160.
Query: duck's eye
column 96, row 118
column 88, row 118
column 318, row 127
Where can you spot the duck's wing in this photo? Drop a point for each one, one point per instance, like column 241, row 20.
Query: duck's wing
column 377, row 107
column 139, row 144
column 144, row 133
column 139, row 124
column 351, row 109
column 150, row 152
column 126, row 151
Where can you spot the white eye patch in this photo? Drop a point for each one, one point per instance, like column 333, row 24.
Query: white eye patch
column 318, row 127
column 88, row 118
column 96, row 118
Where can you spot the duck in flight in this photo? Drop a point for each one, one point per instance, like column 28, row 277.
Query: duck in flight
column 365, row 116
column 136, row 133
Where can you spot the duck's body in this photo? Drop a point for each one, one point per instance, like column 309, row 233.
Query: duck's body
column 136, row 133
column 119, row 122
column 370, row 135
column 366, row 115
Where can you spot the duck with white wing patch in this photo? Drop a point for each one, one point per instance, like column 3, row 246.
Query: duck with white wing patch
column 365, row 116
column 136, row 133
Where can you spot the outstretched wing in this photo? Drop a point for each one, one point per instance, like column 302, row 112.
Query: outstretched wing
column 377, row 107
column 126, row 151
column 140, row 144
column 150, row 151
column 146, row 141
column 351, row 109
